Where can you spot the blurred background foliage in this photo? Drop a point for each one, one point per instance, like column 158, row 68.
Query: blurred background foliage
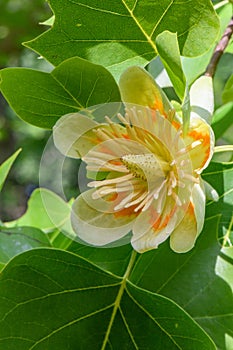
column 19, row 22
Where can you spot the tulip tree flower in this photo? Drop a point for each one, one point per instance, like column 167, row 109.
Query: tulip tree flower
column 144, row 170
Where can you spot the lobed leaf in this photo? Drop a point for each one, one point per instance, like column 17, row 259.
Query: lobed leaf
column 119, row 34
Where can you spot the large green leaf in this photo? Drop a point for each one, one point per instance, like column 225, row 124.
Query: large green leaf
column 191, row 281
column 114, row 260
column 51, row 299
column 198, row 281
column 41, row 98
column 19, row 239
column 6, row 166
column 118, row 34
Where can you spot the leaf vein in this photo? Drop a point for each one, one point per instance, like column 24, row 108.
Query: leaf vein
column 69, row 324
column 140, row 27
column 161, row 18
column 128, row 329
column 98, row 9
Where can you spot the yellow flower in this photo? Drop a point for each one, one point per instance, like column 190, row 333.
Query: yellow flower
column 146, row 171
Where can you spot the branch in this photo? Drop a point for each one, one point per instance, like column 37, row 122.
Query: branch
column 220, row 48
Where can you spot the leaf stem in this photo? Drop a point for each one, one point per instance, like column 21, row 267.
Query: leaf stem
column 219, row 50
column 119, row 296
column 130, row 264
column 221, row 4
column 224, row 148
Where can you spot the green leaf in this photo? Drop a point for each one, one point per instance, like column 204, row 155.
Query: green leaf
column 168, row 49
column 220, row 176
column 45, row 211
column 222, row 119
column 192, row 282
column 88, row 308
column 19, row 239
column 191, row 279
column 224, row 266
column 119, row 34
column 6, row 166
column 114, row 260
column 42, row 98
column 195, row 66
column 227, row 95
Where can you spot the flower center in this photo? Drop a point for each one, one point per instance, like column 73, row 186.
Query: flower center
column 147, row 167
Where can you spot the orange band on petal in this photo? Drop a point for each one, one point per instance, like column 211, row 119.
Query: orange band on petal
column 190, row 209
column 176, row 124
column 126, row 212
column 205, row 138
column 158, row 105
column 200, row 132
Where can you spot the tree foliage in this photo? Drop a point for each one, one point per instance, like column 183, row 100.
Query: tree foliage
column 57, row 292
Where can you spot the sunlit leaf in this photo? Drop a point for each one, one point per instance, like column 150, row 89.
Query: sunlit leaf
column 196, row 66
column 119, row 34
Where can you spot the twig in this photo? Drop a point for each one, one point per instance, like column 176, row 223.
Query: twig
column 220, row 48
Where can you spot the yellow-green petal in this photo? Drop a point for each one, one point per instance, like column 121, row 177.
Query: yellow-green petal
column 96, row 222
column 184, row 236
column 67, row 132
column 201, row 154
column 151, row 227
column 138, row 87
